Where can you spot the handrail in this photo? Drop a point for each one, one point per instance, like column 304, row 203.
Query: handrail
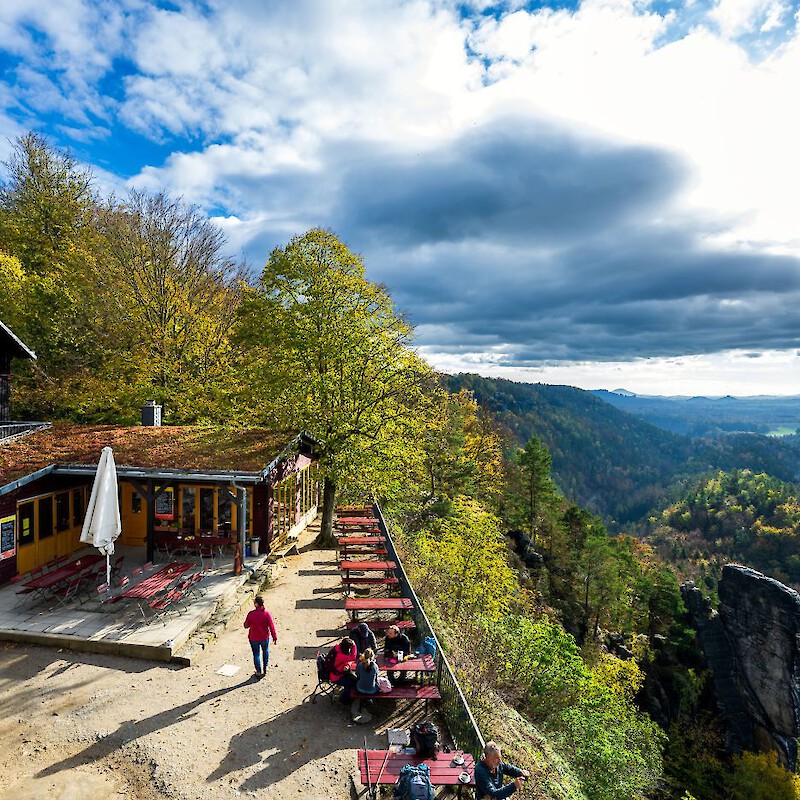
column 10, row 430
column 456, row 711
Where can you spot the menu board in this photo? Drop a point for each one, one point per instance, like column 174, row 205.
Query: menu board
column 8, row 545
column 165, row 504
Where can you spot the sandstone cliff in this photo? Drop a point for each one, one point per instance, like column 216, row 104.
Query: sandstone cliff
column 752, row 644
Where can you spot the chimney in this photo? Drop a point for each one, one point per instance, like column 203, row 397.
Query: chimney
column 151, row 414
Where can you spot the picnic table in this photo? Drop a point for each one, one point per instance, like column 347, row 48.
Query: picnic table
column 157, row 582
column 357, row 522
column 368, row 566
column 383, row 767
column 54, row 578
column 356, row 604
column 359, row 541
column 419, row 663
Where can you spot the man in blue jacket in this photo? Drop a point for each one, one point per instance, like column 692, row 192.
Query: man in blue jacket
column 489, row 773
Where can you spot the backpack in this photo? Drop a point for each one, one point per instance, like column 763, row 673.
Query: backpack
column 384, row 684
column 414, row 783
column 428, row 647
column 325, row 664
column 424, row 737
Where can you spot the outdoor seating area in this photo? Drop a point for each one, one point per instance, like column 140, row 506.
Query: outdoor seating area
column 368, row 566
column 147, row 609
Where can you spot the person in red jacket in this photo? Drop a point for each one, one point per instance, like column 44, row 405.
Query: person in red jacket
column 260, row 626
column 344, row 667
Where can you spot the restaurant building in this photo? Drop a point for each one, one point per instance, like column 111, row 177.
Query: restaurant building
column 241, row 484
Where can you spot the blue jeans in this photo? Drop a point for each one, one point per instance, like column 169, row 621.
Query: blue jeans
column 258, row 648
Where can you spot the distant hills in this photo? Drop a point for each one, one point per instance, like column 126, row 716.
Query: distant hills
column 702, row 416
column 609, row 459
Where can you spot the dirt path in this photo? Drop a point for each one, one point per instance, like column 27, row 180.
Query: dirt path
column 84, row 727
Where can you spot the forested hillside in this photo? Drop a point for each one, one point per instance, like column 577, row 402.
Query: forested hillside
column 739, row 516
column 611, row 462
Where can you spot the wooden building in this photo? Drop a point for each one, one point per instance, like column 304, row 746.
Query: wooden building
column 198, row 481
column 10, row 348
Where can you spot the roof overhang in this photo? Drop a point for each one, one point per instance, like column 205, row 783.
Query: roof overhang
column 22, row 350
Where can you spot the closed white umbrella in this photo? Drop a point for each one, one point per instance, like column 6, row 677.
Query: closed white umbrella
column 102, row 524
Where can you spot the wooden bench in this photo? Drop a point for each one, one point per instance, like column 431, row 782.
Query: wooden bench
column 382, row 767
column 405, row 692
column 372, row 581
column 383, row 624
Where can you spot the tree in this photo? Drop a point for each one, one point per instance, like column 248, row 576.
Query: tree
column 328, row 353
column 176, row 295
column 535, row 490
column 47, row 210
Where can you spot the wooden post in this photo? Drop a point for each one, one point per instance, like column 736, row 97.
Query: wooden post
column 241, row 528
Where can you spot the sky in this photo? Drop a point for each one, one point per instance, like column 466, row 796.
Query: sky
column 601, row 194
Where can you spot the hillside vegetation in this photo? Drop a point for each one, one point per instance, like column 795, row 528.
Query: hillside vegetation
column 611, row 462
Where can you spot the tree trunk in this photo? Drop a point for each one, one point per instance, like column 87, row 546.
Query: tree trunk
column 326, row 537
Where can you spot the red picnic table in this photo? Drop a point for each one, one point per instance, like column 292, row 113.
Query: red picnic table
column 156, row 582
column 354, row 511
column 53, row 579
column 383, row 767
column 356, row 604
column 416, row 664
column 347, row 541
column 386, row 567
column 357, row 522
column 421, row 665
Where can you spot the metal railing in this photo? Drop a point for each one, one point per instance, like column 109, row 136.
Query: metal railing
column 455, row 710
column 9, row 430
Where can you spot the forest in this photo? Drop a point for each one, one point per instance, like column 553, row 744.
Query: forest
column 560, row 632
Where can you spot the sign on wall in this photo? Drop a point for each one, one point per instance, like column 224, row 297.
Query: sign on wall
column 165, row 504
column 8, row 544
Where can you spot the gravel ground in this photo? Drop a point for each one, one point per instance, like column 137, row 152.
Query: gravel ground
column 85, row 727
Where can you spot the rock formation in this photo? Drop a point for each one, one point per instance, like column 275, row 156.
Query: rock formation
column 752, row 644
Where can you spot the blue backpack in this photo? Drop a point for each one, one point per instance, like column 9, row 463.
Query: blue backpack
column 428, row 647
column 414, row 783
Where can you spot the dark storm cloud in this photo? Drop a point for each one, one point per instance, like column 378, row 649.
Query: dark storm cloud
column 544, row 246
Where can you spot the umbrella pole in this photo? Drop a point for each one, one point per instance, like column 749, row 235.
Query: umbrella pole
column 108, row 569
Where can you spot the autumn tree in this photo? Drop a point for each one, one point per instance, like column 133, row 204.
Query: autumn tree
column 328, row 352
column 47, row 206
column 175, row 295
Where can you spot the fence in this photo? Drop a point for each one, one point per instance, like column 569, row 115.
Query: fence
column 10, row 429
column 455, row 709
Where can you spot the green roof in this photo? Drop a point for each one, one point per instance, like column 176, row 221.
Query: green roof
column 180, row 448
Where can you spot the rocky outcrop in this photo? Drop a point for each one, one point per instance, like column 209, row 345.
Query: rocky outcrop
column 752, row 644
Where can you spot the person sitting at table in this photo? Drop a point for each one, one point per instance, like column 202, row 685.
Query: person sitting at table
column 396, row 642
column 364, row 638
column 367, row 673
column 396, row 646
column 344, row 667
column 489, row 772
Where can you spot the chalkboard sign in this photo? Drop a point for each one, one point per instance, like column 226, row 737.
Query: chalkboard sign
column 8, row 545
column 165, row 505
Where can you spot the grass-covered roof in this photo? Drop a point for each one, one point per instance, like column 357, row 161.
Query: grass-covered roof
column 168, row 447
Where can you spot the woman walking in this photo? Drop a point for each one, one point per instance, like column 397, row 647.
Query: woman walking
column 260, row 626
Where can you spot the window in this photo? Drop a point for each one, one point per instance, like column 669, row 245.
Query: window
column 62, row 511
column 46, row 517
column 206, row 509
column 136, row 503
column 26, row 516
column 187, row 508
column 78, row 507
column 223, row 509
